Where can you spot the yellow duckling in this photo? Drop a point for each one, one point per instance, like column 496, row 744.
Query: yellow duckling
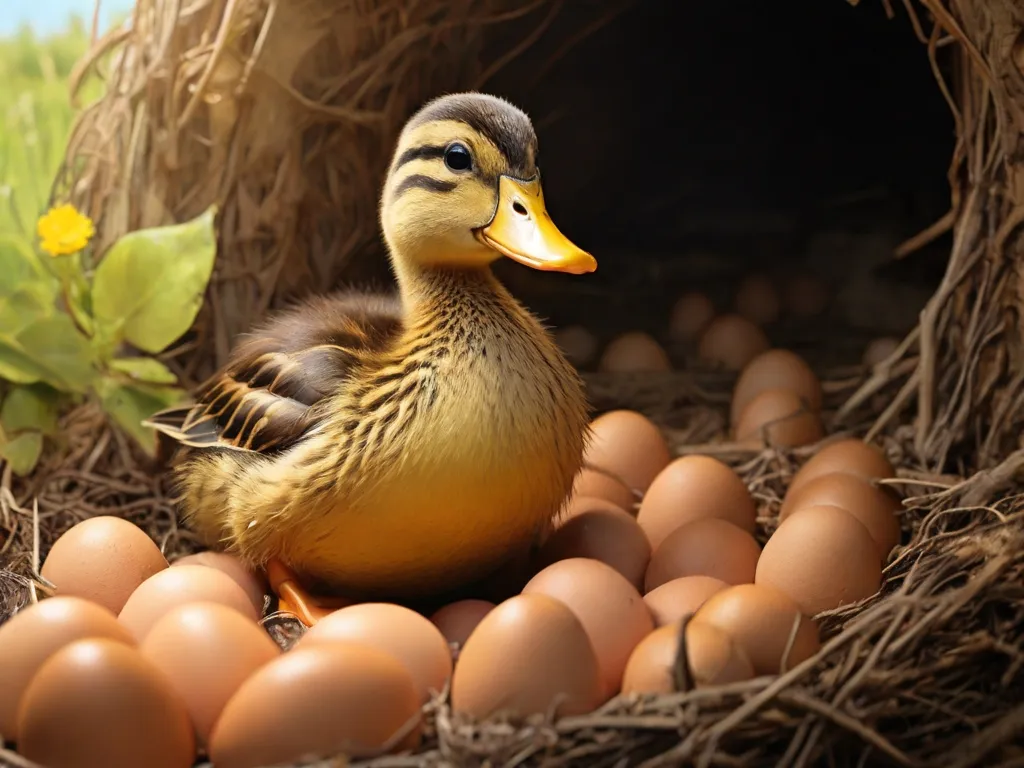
column 399, row 446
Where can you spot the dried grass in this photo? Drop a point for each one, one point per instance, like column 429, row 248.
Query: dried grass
column 283, row 112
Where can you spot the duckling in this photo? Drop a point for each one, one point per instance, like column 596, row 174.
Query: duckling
column 401, row 445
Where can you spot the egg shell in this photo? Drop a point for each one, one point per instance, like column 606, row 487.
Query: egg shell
column 577, row 505
column 207, row 651
column 605, row 533
column 761, row 619
column 457, row 620
column 708, row 547
column 822, row 558
column 681, row 597
column 650, row 666
column 880, row 350
column 97, row 703
column 334, row 698
column 693, row 488
column 712, row 656
column 633, row 352
column 775, row 369
column 402, row 632
column 530, row 655
column 805, row 296
column 610, row 609
column 180, row 586
column 34, row 634
column 731, row 341
column 778, row 417
column 873, row 507
column 849, row 455
column 690, row 316
column 102, row 559
column 758, row 300
column 577, row 344
column 593, row 484
column 254, row 585
column 629, row 445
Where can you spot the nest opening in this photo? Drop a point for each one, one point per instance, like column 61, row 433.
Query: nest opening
column 686, row 151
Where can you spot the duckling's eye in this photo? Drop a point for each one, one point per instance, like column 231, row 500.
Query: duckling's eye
column 457, row 157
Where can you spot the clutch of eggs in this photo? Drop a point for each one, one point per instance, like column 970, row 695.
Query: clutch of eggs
column 136, row 661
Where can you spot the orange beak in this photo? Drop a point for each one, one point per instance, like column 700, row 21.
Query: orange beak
column 522, row 230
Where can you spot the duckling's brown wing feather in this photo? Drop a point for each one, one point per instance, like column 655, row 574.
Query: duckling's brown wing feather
column 272, row 390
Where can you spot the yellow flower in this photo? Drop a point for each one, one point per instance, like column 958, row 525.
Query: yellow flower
column 64, row 230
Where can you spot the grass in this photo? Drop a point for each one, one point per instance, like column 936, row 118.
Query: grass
column 36, row 116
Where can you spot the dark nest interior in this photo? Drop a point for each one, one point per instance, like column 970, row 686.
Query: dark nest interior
column 879, row 146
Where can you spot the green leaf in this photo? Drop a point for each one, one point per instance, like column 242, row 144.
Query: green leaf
column 144, row 369
column 22, row 307
column 30, row 409
column 149, row 286
column 49, row 349
column 130, row 404
column 18, row 368
column 22, row 452
column 19, row 264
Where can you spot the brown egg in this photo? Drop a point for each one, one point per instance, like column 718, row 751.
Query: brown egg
column 694, row 488
column 97, row 703
column 610, row 609
column 402, row 632
column 592, row 484
column 34, row 634
column 629, row 445
column 690, row 316
column 775, row 369
column 757, row 300
column 681, row 597
column 605, row 533
column 457, row 620
column 577, row 505
column 823, row 558
column 880, row 350
column 778, row 418
column 207, row 651
column 650, row 666
column 633, row 352
column 850, row 455
column 577, row 344
column 253, row 584
column 530, row 655
column 805, row 296
column 732, row 341
column 761, row 620
column 713, row 658
column 102, row 559
column 180, row 586
column 873, row 507
column 319, row 701
column 707, row 547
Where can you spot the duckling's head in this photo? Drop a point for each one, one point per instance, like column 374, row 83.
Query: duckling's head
column 464, row 189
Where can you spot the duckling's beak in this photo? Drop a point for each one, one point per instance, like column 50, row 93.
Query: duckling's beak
column 522, row 230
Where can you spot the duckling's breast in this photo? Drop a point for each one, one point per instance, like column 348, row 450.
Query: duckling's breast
column 485, row 464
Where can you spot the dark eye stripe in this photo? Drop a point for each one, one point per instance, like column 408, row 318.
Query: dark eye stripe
column 418, row 180
column 424, row 152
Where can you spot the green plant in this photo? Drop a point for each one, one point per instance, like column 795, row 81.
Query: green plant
column 70, row 332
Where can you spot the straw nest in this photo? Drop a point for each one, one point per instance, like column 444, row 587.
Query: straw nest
column 284, row 112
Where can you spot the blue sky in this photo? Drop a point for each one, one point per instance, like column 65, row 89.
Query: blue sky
column 49, row 16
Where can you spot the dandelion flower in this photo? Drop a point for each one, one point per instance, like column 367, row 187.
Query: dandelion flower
column 63, row 230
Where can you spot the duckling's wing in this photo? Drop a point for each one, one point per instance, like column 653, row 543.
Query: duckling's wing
column 273, row 388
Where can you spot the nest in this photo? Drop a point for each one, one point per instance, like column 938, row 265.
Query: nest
column 283, row 112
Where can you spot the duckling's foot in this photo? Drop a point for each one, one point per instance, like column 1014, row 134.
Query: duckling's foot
column 294, row 599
